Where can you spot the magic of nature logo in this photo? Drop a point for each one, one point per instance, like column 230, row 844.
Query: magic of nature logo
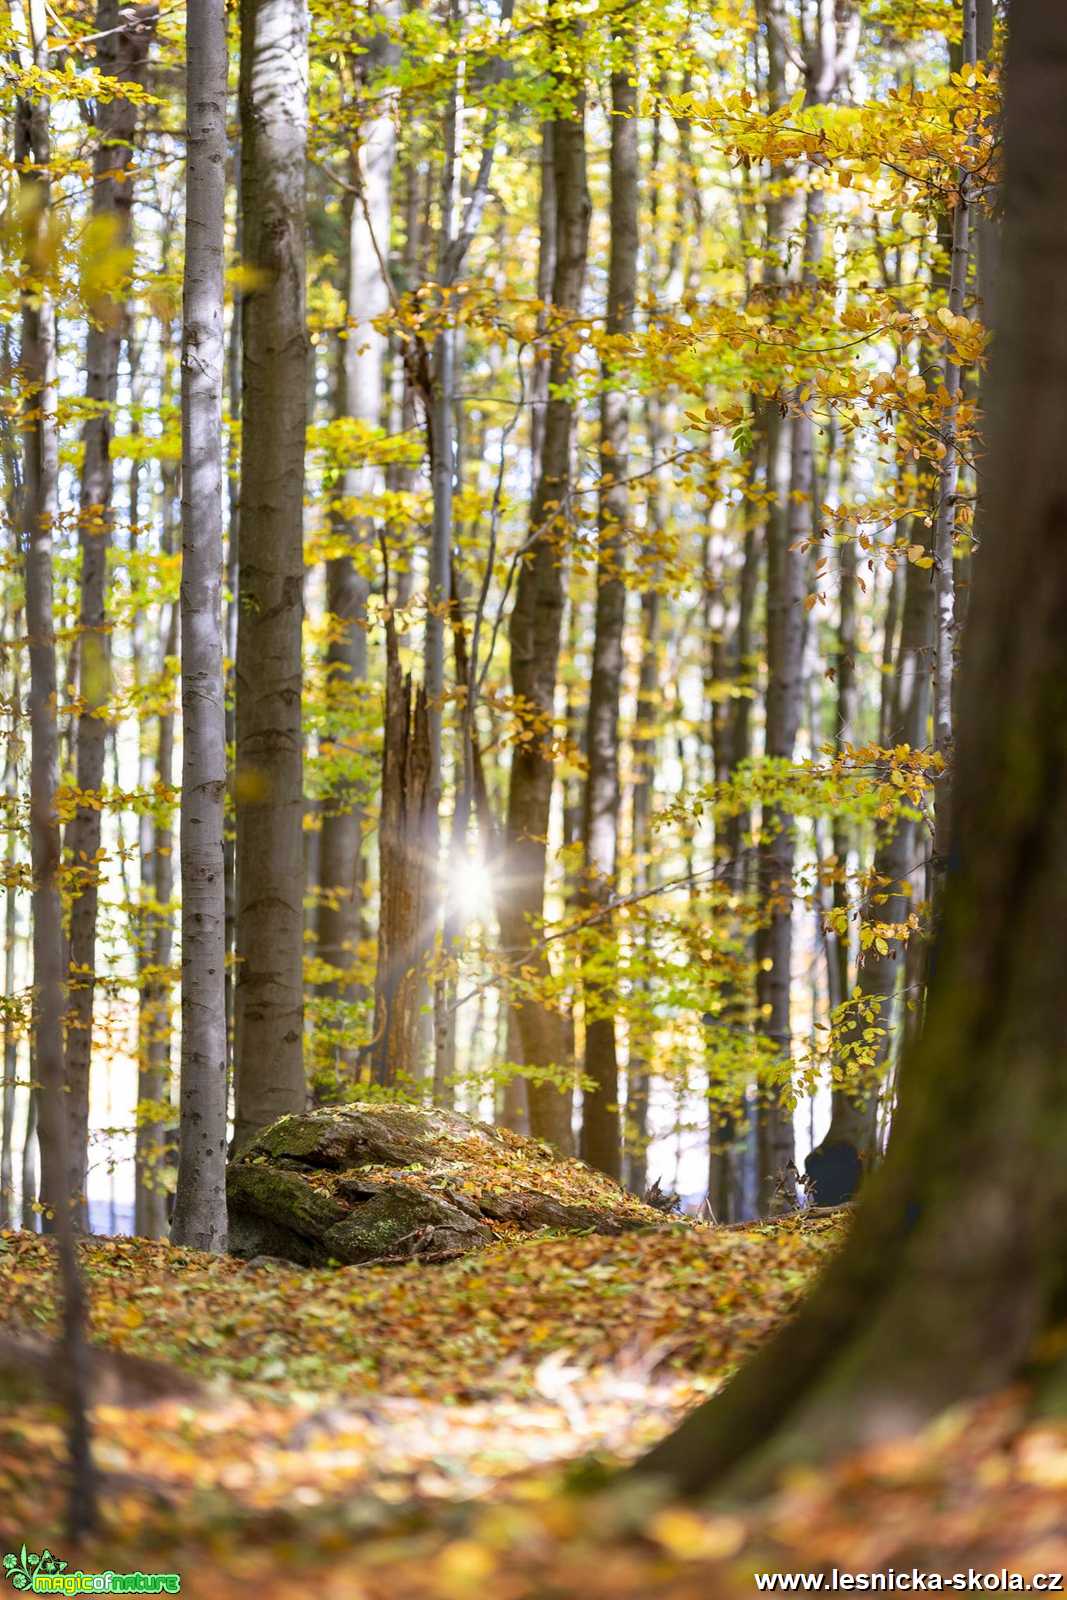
column 47, row 1574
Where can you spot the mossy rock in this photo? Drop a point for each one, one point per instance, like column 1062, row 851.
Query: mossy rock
column 372, row 1183
column 278, row 1213
column 398, row 1223
column 341, row 1137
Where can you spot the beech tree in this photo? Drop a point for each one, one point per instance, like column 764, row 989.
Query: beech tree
column 600, row 1143
column 269, row 1061
column 359, row 394
column 200, row 1203
column 122, row 52
column 536, row 616
column 39, row 515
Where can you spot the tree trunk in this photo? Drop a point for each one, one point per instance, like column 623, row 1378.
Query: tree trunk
column 11, row 1049
column 121, row 52
column 774, row 939
column 954, row 1278
column 39, row 512
column 601, row 1143
column 534, row 635
column 361, row 360
column 269, row 777
column 945, row 631
column 153, row 1082
column 200, row 1201
column 406, row 877
column 891, row 898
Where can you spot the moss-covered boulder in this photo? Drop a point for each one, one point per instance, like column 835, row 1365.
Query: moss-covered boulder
column 370, row 1183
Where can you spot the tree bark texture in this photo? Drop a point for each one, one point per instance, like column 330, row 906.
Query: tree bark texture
column 121, row 52
column 534, row 636
column 361, row 358
column 407, row 876
column 38, row 516
column 200, row 1200
column 601, row 1141
column 269, row 772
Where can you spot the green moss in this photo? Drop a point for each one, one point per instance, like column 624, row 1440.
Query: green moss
column 282, row 1198
column 384, row 1225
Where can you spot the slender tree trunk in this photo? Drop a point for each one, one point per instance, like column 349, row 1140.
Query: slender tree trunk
column 866, row 1041
column 29, row 1182
column 601, row 1143
column 39, row 512
column 643, row 749
column 7, row 1172
column 361, row 359
column 774, row 940
column 200, row 1202
column 233, row 540
column 534, row 634
column 945, row 634
column 406, row 880
column 150, row 1200
column 269, row 779
column 845, row 729
column 121, row 52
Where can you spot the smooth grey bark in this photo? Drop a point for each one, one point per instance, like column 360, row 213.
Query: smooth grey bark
column 784, row 630
column 844, row 734
column 534, row 635
column 440, row 421
column 643, row 743
column 890, row 630
column 516, row 1108
column 953, row 1279
column 122, row 53
column 233, row 539
column 515, row 1101
column 445, row 451
column 774, row 866
column 945, row 629
column 601, row 1141
column 157, row 935
column 38, row 516
column 200, row 1201
column 830, row 50
column 269, row 1065
column 10, row 1039
column 359, row 394
column 896, row 877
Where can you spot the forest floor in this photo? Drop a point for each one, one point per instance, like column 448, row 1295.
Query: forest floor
column 434, row 1431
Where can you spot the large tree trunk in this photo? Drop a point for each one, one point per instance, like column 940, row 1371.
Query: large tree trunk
column 534, row 634
column 269, row 779
column 121, row 52
column 956, row 1267
column 200, row 1202
column 601, row 1143
column 38, row 515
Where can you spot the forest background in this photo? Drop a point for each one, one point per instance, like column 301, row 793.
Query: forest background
column 560, row 681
